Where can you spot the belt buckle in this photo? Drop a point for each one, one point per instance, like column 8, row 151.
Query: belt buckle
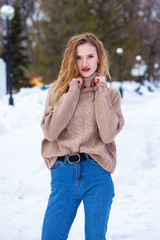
column 79, row 158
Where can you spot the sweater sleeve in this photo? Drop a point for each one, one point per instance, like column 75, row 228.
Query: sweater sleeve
column 108, row 112
column 55, row 120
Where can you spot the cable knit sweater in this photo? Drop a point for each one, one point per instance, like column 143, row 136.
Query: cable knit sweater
column 85, row 120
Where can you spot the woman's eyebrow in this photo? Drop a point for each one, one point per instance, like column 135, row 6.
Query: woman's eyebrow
column 78, row 55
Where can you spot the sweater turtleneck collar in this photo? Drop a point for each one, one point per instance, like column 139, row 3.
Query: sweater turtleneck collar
column 87, row 81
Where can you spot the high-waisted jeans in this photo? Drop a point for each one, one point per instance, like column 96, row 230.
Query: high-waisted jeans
column 70, row 184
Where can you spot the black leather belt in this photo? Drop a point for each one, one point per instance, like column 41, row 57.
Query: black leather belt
column 74, row 158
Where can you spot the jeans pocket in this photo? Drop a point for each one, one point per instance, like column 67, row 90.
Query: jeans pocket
column 57, row 166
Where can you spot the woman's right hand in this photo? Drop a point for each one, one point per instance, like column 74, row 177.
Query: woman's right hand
column 79, row 79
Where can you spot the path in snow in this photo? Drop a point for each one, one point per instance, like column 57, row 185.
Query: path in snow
column 24, row 178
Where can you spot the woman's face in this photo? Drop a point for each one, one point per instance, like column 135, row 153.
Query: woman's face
column 87, row 59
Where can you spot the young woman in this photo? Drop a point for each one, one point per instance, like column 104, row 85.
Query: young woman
column 81, row 119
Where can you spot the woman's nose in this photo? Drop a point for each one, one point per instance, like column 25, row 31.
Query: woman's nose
column 84, row 63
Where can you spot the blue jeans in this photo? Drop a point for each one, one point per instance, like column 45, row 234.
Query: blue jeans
column 70, row 184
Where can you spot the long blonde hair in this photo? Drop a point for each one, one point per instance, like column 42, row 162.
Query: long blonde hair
column 69, row 69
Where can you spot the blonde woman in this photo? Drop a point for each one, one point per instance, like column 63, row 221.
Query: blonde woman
column 81, row 119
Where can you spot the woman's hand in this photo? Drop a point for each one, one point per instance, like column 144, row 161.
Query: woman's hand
column 97, row 79
column 79, row 79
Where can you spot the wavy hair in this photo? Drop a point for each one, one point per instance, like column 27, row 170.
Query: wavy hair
column 69, row 69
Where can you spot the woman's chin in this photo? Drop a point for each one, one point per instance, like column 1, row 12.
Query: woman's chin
column 87, row 74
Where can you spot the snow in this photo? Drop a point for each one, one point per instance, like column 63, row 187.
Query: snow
column 25, row 180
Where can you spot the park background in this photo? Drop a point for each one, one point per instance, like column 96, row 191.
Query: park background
column 38, row 35
column 40, row 29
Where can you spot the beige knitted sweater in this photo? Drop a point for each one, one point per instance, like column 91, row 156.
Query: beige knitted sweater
column 83, row 120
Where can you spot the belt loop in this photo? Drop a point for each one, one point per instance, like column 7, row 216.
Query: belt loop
column 65, row 160
column 87, row 157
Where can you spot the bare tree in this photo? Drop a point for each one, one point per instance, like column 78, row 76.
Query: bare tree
column 148, row 27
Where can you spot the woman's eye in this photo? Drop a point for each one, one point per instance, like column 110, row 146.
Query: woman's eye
column 78, row 57
column 90, row 56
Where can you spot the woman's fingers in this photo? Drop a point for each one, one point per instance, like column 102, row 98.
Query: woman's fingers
column 92, row 84
column 80, row 81
column 98, row 74
column 99, row 78
column 96, row 80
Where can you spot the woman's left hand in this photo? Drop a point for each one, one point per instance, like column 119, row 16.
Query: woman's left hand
column 98, row 78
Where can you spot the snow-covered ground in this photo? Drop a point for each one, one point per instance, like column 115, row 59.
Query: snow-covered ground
column 25, row 180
